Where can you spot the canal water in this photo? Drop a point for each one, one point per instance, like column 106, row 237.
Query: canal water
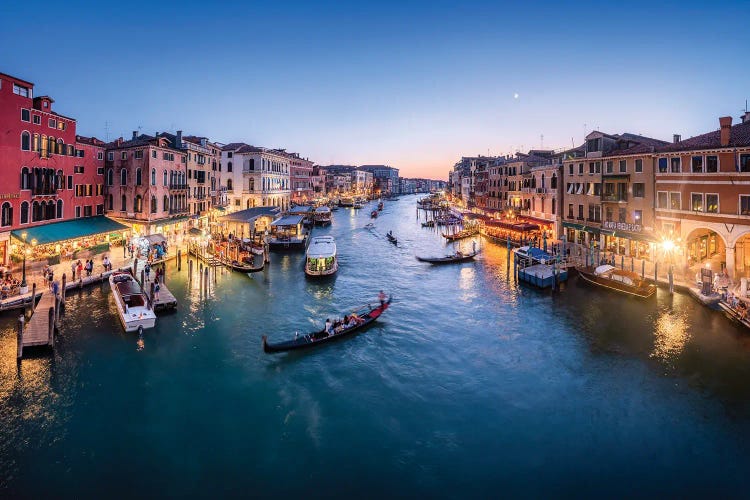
column 470, row 385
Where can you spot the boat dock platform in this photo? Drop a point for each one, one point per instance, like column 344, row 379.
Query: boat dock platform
column 542, row 275
column 39, row 330
column 166, row 300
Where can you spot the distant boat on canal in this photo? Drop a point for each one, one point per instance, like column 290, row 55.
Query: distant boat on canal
column 618, row 280
column 449, row 259
column 131, row 301
column 321, row 257
column 322, row 216
column 288, row 233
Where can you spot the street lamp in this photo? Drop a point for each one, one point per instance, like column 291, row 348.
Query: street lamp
column 24, row 286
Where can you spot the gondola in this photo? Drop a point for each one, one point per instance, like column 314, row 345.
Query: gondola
column 461, row 234
column 391, row 238
column 322, row 337
column 243, row 267
column 429, row 223
column 380, row 206
column 374, row 214
column 448, row 259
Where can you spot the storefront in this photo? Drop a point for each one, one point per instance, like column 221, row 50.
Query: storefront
column 703, row 246
column 581, row 234
column 622, row 238
column 53, row 242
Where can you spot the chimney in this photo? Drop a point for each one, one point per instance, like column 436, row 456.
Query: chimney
column 746, row 117
column 726, row 129
column 676, row 138
column 179, row 139
column 119, row 141
column 135, row 134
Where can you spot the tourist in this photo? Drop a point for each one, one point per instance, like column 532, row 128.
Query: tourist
column 79, row 269
column 89, row 267
column 381, row 298
column 147, row 270
column 55, row 288
column 50, row 277
column 327, row 328
column 73, row 270
column 156, row 291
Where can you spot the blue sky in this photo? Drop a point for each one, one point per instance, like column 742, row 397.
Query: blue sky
column 412, row 84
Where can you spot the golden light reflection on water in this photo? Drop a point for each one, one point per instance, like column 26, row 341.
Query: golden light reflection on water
column 670, row 335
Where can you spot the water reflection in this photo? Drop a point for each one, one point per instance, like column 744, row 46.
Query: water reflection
column 671, row 333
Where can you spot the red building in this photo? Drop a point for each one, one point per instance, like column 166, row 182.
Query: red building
column 47, row 173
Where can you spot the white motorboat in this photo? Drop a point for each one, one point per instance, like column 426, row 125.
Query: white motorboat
column 131, row 301
column 321, row 257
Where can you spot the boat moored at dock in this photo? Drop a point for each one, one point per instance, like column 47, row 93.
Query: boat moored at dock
column 618, row 280
column 288, row 233
column 321, row 259
column 322, row 216
column 132, row 303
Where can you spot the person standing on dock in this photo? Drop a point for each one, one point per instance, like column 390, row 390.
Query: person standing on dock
column 73, row 270
column 147, row 270
column 156, row 291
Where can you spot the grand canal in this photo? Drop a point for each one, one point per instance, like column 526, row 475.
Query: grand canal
column 469, row 385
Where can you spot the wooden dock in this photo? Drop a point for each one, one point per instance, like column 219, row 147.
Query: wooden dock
column 39, row 330
column 165, row 301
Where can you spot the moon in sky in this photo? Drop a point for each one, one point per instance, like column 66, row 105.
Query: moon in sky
column 515, row 96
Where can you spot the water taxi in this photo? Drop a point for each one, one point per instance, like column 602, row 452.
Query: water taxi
column 618, row 280
column 322, row 216
column 321, row 257
column 288, row 233
column 132, row 303
column 346, row 201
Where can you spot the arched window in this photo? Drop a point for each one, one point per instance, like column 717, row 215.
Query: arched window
column 138, row 177
column 165, row 201
column 25, row 141
column 542, row 181
column 553, row 183
column 43, row 146
column 110, row 202
column 110, row 177
column 35, row 211
column 50, row 211
column 229, row 183
column 165, row 178
column 153, row 203
column 229, row 166
column 251, row 184
column 7, row 215
column 59, row 180
column 60, row 149
column 35, row 145
column 59, row 209
column 138, row 204
column 123, row 177
column 51, row 145
column 252, row 163
column 123, row 204
column 153, row 177
column 24, row 212
column 25, row 178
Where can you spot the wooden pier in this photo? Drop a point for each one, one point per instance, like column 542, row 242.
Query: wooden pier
column 39, row 330
column 165, row 301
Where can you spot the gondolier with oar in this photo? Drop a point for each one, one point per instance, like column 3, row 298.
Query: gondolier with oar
column 382, row 298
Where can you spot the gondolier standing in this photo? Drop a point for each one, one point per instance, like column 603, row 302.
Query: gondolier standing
column 381, row 297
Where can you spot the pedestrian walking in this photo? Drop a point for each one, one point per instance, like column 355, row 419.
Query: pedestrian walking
column 73, row 270
column 156, row 291
column 79, row 268
column 55, row 288
column 147, row 270
column 89, row 267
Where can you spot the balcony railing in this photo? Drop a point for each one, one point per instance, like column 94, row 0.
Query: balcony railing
column 174, row 185
column 615, row 198
column 173, row 211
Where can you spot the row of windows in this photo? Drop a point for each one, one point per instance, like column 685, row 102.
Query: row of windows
column 173, row 202
column 39, row 211
column 169, row 178
column 610, row 188
column 89, row 190
column 138, row 155
column 700, row 164
column 47, row 145
column 699, row 202
column 595, row 214
column 51, row 122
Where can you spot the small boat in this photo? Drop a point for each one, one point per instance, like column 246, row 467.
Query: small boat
column 737, row 313
column 543, row 275
column 346, row 202
column 429, row 223
column 358, row 205
column 465, row 233
column 531, row 255
column 448, row 259
column 132, row 302
column 322, row 216
column 370, row 226
column 366, row 315
column 618, row 280
column 391, row 238
column 321, row 257
column 380, row 205
column 374, row 214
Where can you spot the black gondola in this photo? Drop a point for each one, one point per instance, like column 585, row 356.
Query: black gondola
column 456, row 257
column 391, row 238
column 321, row 337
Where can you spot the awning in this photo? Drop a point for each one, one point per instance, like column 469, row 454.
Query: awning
column 635, row 236
column 289, row 220
column 581, row 227
column 70, row 230
column 155, row 238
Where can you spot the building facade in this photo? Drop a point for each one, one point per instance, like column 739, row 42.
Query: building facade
column 255, row 177
column 703, row 197
column 48, row 173
column 300, row 178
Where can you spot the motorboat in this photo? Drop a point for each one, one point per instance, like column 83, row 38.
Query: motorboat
column 132, row 303
column 321, row 258
column 322, row 216
column 618, row 280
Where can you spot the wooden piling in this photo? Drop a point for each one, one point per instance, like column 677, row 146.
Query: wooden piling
column 51, row 326
column 671, row 279
column 643, row 269
column 200, row 277
column 21, row 321
column 656, row 276
column 135, row 268
column 143, row 277
column 64, row 286
column 190, row 271
column 632, row 264
column 206, row 280
column 622, row 262
column 179, row 259
column 57, row 309
column 33, row 297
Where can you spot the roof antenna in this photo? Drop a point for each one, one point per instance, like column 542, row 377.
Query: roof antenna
column 542, row 147
column 106, row 131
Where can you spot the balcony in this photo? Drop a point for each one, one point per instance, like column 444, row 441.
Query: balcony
column 174, row 185
column 594, row 219
column 615, row 198
column 175, row 211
